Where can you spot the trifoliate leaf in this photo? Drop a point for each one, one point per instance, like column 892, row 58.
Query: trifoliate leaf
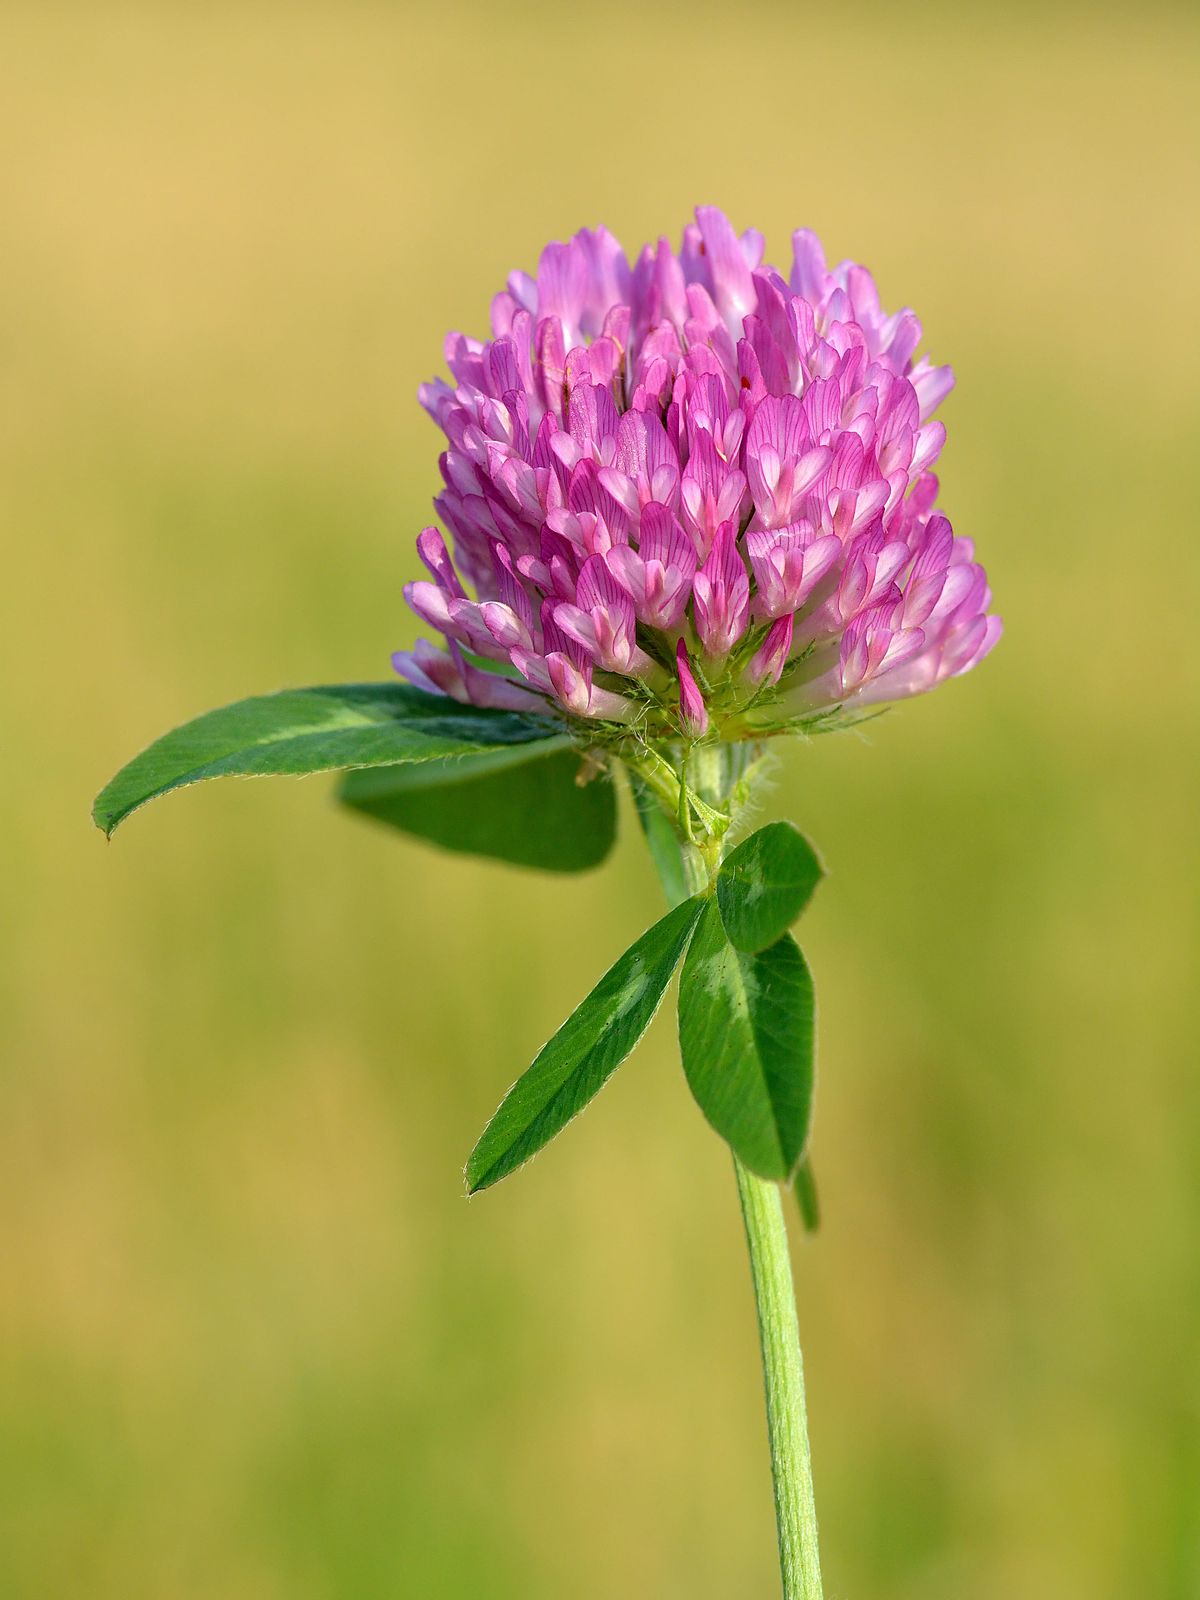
column 585, row 1051
column 521, row 804
column 746, row 1024
column 313, row 730
column 765, row 884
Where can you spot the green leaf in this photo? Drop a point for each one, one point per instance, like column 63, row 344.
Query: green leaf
column 585, row 1051
column 765, row 884
column 313, row 730
column 522, row 805
column 804, row 1186
column 746, row 1025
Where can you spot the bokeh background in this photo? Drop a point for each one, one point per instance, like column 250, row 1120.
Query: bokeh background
column 255, row 1344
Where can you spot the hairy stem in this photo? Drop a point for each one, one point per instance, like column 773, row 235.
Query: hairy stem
column 779, row 1342
column 783, row 1379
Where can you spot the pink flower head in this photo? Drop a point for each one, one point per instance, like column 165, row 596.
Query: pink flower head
column 693, row 456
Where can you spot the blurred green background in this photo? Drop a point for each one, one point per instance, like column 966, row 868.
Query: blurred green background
column 254, row 1342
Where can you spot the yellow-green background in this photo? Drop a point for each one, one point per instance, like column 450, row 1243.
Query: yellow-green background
column 255, row 1344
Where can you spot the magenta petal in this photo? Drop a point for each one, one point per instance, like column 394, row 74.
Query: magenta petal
column 431, row 548
column 721, row 592
column 693, row 713
column 768, row 661
column 632, row 453
column 733, row 286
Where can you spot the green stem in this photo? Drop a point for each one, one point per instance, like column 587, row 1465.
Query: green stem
column 779, row 1342
column 783, row 1379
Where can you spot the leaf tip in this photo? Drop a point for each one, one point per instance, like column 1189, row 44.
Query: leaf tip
column 103, row 818
column 475, row 1178
column 804, row 1187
